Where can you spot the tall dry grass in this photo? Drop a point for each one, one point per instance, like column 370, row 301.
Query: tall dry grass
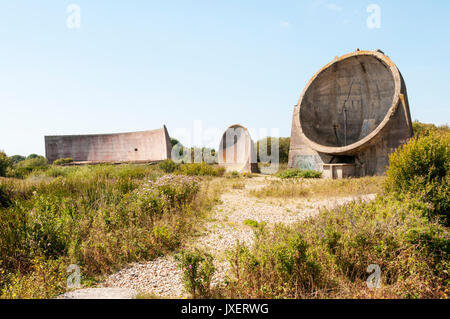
column 293, row 188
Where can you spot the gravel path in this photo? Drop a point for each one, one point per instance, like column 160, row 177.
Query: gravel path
column 160, row 277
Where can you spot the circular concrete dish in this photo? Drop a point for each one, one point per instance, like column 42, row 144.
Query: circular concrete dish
column 349, row 101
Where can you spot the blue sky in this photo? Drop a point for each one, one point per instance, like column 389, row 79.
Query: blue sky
column 135, row 65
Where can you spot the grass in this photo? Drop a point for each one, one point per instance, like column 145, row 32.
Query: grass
column 298, row 173
column 319, row 188
column 99, row 217
column 238, row 185
column 251, row 222
column 328, row 256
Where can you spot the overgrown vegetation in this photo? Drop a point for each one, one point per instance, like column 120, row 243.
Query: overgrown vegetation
column 191, row 169
column 197, row 270
column 62, row 161
column 200, row 169
column 291, row 188
column 299, row 173
column 422, row 167
column 4, row 163
column 423, row 129
column 98, row 217
column 102, row 217
column 21, row 168
column 327, row 256
column 404, row 231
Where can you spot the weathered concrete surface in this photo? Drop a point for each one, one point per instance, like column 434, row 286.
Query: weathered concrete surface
column 100, row 293
column 146, row 146
column 237, row 151
column 353, row 111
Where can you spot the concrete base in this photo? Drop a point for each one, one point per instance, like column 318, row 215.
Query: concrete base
column 334, row 171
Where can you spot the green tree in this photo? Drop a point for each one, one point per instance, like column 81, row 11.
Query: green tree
column 17, row 158
column 5, row 162
column 264, row 146
column 421, row 129
column 32, row 156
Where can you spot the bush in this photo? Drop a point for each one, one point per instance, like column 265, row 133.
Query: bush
column 4, row 198
column 168, row 192
column 328, row 255
column 254, row 223
column 17, row 158
column 423, row 129
column 46, row 279
column 62, row 161
column 422, row 167
column 99, row 217
column 200, row 169
column 299, row 173
column 168, row 166
column 197, row 271
column 279, row 265
column 24, row 168
column 33, row 162
column 4, row 163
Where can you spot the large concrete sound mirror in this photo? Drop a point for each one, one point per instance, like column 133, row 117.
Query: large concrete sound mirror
column 237, row 150
column 145, row 146
column 350, row 116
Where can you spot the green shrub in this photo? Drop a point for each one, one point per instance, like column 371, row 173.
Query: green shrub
column 197, row 271
column 32, row 164
column 167, row 193
column 279, row 265
column 4, row 163
column 4, row 198
column 328, row 255
column 46, row 279
column 62, row 161
column 200, row 169
column 422, row 167
column 17, row 158
column 168, row 166
column 423, row 129
column 254, row 223
column 99, row 217
column 299, row 173
column 234, row 174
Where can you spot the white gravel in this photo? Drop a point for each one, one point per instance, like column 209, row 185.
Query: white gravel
column 162, row 278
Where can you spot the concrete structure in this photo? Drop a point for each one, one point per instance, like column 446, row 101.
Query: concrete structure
column 237, row 151
column 146, row 146
column 354, row 111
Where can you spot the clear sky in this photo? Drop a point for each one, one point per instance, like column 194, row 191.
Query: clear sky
column 136, row 65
